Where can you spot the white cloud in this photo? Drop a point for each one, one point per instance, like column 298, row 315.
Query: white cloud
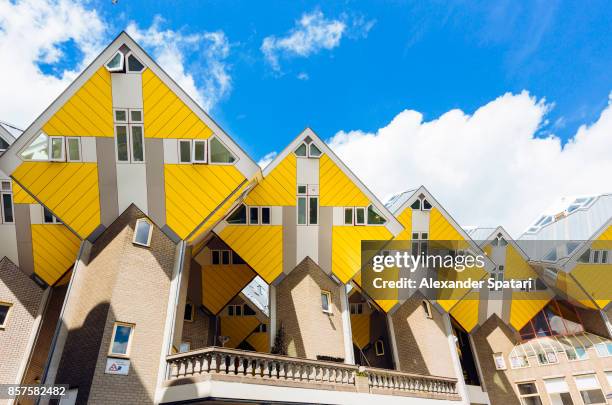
column 35, row 32
column 312, row 33
column 488, row 168
column 265, row 161
column 171, row 49
column 303, row 76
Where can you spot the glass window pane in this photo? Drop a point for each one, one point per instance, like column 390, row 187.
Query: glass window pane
column 120, row 115
column 238, row 216
column 374, row 218
column 47, row 216
column 416, row 205
column 426, row 205
column 360, row 216
column 38, row 149
column 301, row 220
column 134, row 64
column 135, row 116
column 301, row 189
column 325, row 301
column 219, row 153
column 74, row 153
column 225, row 257
column 348, row 216
column 57, row 147
column 527, row 388
column 3, row 144
column 532, row 401
column 254, row 215
column 116, row 62
column 185, row 151
column 7, row 207
column 122, row 143
column 188, row 316
column 143, row 228
column 314, row 151
column 4, row 309
column 593, row 397
column 122, row 338
column 137, row 144
column 301, row 150
column 199, row 151
column 313, row 217
column 265, row 215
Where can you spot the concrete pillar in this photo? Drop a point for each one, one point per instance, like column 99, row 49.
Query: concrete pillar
column 461, row 387
column 349, row 353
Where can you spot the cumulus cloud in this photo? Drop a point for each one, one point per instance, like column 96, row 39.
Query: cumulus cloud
column 204, row 54
column 265, row 161
column 312, row 33
column 489, row 168
column 36, row 33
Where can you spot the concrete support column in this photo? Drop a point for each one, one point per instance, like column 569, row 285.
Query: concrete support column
column 391, row 328
column 272, row 309
column 349, row 353
column 461, row 387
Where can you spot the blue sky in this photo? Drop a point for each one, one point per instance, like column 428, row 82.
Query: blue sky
column 501, row 102
column 427, row 56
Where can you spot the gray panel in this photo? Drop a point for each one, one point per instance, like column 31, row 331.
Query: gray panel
column 289, row 239
column 96, row 233
column 483, row 306
column 170, row 234
column 326, row 221
column 156, row 200
column 506, row 305
column 23, row 232
column 107, row 180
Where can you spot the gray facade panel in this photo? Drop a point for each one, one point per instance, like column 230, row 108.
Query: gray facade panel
column 107, row 180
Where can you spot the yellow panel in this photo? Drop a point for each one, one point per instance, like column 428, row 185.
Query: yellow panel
column 440, row 228
column 604, row 242
column 360, row 325
column 20, row 196
column 525, row 305
column 194, row 191
column 278, row 187
column 405, row 218
column 221, row 283
column 385, row 305
column 596, row 279
column 448, row 297
column 261, row 246
column 70, row 190
column 346, row 247
column 466, row 311
column 54, row 249
column 165, row 115
column 260, row 341
column 336, row 189
column 89, row 112
column 237, row 328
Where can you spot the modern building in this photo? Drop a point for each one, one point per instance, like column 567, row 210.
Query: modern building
column 146, row 258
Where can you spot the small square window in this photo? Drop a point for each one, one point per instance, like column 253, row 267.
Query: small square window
column 199, row 151
column 121, row 339
column 5, row 309
column 265, row 215
column 6, row 186
column 143, row 232
column 301, row 189
column 121, row 116
column 136, row 116
column 326, row 301
column 184, row 151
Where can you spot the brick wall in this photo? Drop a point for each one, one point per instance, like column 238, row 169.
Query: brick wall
column 309, row 332
column 18, row 289
column 422, row 343
column 200, row 332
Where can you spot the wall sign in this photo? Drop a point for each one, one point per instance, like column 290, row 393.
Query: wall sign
column 117, row 366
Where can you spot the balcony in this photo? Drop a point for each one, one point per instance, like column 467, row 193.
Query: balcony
column 332, row 382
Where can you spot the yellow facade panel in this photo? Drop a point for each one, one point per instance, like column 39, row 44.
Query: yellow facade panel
column 166, row 115
column 54, row 249
column 596, row 279
column 448, row 297
column 260, row 246
column 405, row 218
column 194, row 191
column 385, row 304
column 441, row 229
column 20, row 196
column 336, row 189
column 89, row 112
column 360, row 326
column 466, row 311
column 237, row 328
column 260, row 341
column 279, row 187
column 221, row 283
column 525, row 305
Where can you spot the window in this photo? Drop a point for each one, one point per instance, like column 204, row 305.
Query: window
column 143, row 232
column 73, row 149
column 348, row 216
column 313, row 210
column 253, row 215
column 426, row 309
column 265, row 215
column 558, row 391
column 326, row 301
column 38, row 149
column 419, row 243
column 374, row 217
column 134, row 65
column 497, row 274
column 301, row 150
column 421, row 203
column 356, row 308
column 604, row 349
column 115, row 64
column 5, row 308
column 528, row 393
column 4, row 145
column 7, row 202
column 239, row 216
column 129, row 136
column 219, row 153
column 262, row 328
column 199, row 151
column 49, row 218
column 314, row 151
column 359, row 216
column 308, row 205
column 189, row 312
column 589, row 388
column 184, row 151
column 121, row 339
column 240, row 310
column 379, row 347
column 221, row 256
column 308, row 149
column 416, row 205
column 56, row 149
column 248, row 311
column 500, row 362
column 518, row 359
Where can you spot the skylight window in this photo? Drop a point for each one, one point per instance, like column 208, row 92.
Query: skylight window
column 143, row 232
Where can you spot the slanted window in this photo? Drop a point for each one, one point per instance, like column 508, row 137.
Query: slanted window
column 348, row 216
column 416, row 205
column 49, row 218
column 426, row 309
column 590, row 390
column 314, row 151
column 374, row 217
column 121, row 339
column 379, row 347
column 529, row 394
column 143, row 232
column 301, row 150
column 7, row 202
column 248, row 311
column 134, row 65
column 73, row 149
column 184, row 151
column 359, row 216
column 421, row 203
column 239, row 216
column 426, row 205
column 219, row 153
column 326, row 301
column 500, row 362
column 5, row 309
column 56, row 149
column 116, row 63
column 38, row 149
column 4, row 145
column 189, row 314
column 199, row 151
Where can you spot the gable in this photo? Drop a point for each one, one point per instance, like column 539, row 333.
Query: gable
column 278, row 187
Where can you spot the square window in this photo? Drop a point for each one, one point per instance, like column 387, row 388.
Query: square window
column 348, row 216
column 265, row 215
column 56, row 149
column 326, row 301
column 6, row 186
column 5, row 308
column 184, row 151
column 121, row 339
column 301, row 189
column 253, row 215
column 121, row 116
column 500, row 362
column 143, row 232
column 73, row 149
column 199, row 151
column 136, row 116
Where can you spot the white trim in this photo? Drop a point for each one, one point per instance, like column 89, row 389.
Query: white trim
column 127, row 64
column 128, row 349
column 329, row 310
column 236, row 158
column 121, row 63
column 78, row 139
column 62, row 158
column 193, row 151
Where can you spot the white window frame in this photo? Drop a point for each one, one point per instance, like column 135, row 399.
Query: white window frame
column 209, row 153
column 344, row 211
column 521, row 396
column 261, row 209
column 78, row 139
column 329, row 301
column 129, row 125
column 132, row 327
column 500, row 361
column 62, row 158
column 8, row 313
column 127, row 67
column 258, row 210
column 122, row 64
column 234, row 312
column 131, row 147
column 8, row 192
column 380, row 352
column 356, row 222
column 307, row 195
column 356, row 308
column 129, row 117
column 193, row 154
column 138, row 221
column 594, row 375
column 178, row 145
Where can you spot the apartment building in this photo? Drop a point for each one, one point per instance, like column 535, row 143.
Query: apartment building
column 146, row 258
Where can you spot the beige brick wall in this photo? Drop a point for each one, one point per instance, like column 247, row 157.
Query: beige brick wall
column 422, row 343
column 25, row 296
column 121, row 282
column 200, row 332
column 309, row 332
